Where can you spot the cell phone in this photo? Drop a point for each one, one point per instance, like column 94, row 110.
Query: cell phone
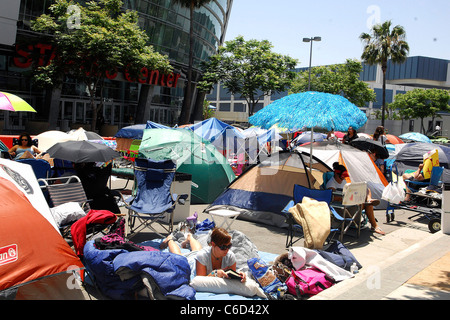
column 233, row 274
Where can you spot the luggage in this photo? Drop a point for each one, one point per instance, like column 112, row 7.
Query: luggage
column 307, row 282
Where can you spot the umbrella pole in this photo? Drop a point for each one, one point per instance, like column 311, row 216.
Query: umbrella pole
column 311, row 150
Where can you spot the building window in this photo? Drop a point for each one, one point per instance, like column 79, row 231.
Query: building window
column 239, row 107
column 225, row 107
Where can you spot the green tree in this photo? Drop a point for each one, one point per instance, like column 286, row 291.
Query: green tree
column 93, row 41
column 422, row 103
column 187, row 102
column 249, row 68
column 342, row 79
column 381, row 45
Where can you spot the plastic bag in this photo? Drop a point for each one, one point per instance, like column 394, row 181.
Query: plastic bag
column 393, row 193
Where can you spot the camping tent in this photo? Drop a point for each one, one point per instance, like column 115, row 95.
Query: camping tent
column 223, row 136
column 35, row 261
column 411, row 155
column 211, row 173
column 359, row 165
column 126, row 135
column 261, row 192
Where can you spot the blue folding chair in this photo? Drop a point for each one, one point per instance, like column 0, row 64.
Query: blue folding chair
column 153, row 202
column 41, row 167
column 320, row 195
column 435, row 180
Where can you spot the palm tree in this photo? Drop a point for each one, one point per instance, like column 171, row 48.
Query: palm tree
column 380, row 46
column 186, row 108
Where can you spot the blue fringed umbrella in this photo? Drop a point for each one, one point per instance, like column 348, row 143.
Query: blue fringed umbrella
column 310, row 110
column 415, row 136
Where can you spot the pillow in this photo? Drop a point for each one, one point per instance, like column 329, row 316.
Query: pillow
column 67, row 213
column 249, row 288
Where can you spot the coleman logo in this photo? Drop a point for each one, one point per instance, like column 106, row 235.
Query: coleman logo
column 8, row 254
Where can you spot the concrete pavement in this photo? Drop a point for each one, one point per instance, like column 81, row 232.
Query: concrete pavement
column 407, row 263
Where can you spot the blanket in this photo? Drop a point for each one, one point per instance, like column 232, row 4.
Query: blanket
column 315, row 218
column 302, row 257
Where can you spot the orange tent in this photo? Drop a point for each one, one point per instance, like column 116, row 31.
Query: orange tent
column 394, row 139
column 35, row 261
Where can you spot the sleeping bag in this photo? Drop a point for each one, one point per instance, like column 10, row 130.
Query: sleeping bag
column 118, row 273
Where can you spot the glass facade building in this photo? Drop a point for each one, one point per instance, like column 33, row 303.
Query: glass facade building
column 167, row 24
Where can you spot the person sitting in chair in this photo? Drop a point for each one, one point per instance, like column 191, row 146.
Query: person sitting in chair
column 337, row 183
column 24, row 149
column 415, row 176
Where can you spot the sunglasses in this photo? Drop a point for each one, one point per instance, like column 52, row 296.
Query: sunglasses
column 24, row 139
column 225, row 247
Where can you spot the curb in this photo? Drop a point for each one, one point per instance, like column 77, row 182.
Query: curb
column 378, row 282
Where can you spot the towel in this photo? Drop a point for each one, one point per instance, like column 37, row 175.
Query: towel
column 78, row 229
column 315, row 218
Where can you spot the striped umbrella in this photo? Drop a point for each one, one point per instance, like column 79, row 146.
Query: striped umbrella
column 11, row 102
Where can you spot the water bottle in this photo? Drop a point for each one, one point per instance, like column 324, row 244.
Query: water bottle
column 354, row 268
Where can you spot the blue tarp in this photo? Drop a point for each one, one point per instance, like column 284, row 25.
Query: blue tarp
column 211, row 129
column 136, row 131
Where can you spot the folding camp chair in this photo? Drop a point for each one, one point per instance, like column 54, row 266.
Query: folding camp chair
column 435, row 180
column 68, row 189
column 41, row 168
column 350, row 210
column 153, row 202
column 299, row 193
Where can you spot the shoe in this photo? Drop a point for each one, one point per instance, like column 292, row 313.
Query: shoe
column 373, row 202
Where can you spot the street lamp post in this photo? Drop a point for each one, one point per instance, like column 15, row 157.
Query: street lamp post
column 309, row 89
column 310, row 56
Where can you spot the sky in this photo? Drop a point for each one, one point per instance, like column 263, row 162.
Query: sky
column 340, row 23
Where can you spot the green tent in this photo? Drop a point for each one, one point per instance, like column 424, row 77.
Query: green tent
column 211, row 173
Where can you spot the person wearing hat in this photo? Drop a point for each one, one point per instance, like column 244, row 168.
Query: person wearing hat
column 337, row 183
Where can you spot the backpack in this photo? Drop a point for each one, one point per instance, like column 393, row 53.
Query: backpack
column 307, row 282
column 266, row 278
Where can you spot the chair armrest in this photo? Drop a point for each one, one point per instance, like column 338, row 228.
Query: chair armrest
column 287, row 207
column 335, row 214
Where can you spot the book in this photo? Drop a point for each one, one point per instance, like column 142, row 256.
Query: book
column 233, row 274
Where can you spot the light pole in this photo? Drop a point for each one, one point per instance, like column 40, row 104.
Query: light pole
column 309, row 89
column 310, row 56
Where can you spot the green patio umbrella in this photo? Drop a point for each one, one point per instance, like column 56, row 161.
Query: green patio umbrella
column 211, row 173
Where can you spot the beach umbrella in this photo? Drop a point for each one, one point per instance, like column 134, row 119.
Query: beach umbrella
column 305, row 137
column 364, row 135
column 81, row 134
column 339, row 134
column 11, row 102
column 310, row 110
column 415, row 136
column 82, row 151
column 394, row 139
column 48, row 138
